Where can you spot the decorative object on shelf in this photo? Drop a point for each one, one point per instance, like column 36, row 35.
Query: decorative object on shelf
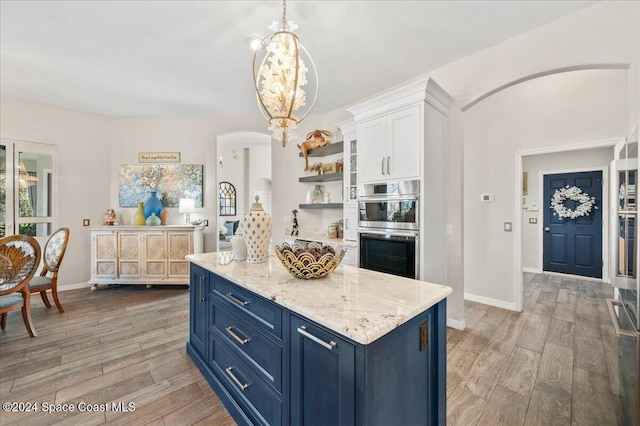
column 311, row 262
column 174, row 181
column 294, row 228
column 339, row 166
column 316, row 167
column 317, row 141
column 256, row 230
column 153, row 220
column 281, row 79
column 318, row 195
column 238, row 245
column 585, row 202
column 332, row 230
column 138, row 218
column 329, row 168
column 309, row 196
column 152, row 205
column 187, row 206
column 164, row 217
column 326, row 198
column 109, row 217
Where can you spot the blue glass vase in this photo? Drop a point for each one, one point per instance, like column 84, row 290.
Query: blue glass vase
column 152, row 205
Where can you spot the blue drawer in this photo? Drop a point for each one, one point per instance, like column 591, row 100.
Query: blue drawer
column 258, row 399
column 263, row 354
column 258, row 310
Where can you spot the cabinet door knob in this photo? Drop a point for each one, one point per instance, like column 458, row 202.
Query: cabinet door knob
column 547, row 229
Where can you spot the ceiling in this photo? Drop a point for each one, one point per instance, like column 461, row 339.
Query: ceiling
column 160, row 58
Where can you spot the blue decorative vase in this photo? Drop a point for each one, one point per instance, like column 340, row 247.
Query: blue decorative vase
column 152, row 205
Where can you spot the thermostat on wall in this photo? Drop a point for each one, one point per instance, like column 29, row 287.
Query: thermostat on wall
column 486, row 198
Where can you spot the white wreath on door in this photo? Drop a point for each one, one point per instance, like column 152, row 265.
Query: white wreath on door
column 586, row 202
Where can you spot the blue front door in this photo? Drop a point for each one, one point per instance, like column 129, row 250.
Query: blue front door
column 573, row 246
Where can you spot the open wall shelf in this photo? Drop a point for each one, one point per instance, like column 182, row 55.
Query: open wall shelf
column 321, row 206
column 329, row 177
column 332, row 148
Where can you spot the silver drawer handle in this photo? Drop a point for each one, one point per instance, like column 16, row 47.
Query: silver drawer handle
column 236, row 300
column 303, row 330
column 235, row 336
column 235, row 379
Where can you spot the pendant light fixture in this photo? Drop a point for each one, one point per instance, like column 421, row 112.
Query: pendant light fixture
column 283, row 80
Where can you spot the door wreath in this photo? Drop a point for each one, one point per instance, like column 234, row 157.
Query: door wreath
column 585, row 202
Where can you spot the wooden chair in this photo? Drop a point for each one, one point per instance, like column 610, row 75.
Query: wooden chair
column 19, row 260
column 52, row 258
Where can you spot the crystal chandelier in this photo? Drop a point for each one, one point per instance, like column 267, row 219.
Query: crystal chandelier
column 280, row 75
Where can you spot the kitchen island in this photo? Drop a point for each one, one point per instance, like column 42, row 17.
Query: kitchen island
column 357, row 347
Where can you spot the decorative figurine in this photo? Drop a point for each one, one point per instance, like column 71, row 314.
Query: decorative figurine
column 317, row 141
column 294, row 231
column 110, row 217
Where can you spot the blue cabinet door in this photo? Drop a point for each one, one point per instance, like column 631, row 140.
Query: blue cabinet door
column 573, row 246
column 322, row 376
column 199, row 285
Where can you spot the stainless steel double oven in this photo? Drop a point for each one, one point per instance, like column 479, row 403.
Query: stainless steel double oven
column 388, row 227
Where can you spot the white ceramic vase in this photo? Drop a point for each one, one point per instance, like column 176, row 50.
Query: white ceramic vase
column 238, row 245
column 256, row 231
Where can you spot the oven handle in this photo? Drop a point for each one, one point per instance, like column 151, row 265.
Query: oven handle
column 378, row 199
column 391, row 233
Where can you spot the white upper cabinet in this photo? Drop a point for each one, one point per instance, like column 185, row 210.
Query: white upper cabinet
column 372, row 150
column 389, row 146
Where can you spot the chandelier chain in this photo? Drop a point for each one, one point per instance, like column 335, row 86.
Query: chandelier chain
column 284, row 14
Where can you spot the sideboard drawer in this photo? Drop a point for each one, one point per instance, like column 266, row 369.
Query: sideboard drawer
column 265, row 314
column 259, row 351
column 241, row 381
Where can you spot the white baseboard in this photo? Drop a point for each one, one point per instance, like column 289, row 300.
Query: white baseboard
column 532, row 270
column 489, row 301
column 73, row 286
column 457, row 324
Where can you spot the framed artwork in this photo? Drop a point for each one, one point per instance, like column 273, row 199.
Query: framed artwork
column 170, row 181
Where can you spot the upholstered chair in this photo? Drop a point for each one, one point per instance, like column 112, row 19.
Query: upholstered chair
column 19, row 260
column 52, row 258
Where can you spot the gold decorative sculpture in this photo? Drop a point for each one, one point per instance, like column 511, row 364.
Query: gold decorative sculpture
column 314, row 140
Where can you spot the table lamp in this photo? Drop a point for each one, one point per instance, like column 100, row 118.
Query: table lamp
column 187, row 205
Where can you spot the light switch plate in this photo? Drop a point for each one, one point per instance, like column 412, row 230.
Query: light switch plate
column 448, row 230
column 486, row 198
column 86, row 222
column 507, row 227
column 533, row 220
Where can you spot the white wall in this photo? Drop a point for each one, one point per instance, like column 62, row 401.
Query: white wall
column 536, row 165
column 195, row 138
column 84, row 149
column 561, row 109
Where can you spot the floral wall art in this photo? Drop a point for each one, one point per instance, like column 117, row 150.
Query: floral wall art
column 170, row 181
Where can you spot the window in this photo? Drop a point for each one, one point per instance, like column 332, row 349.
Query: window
column 227, row 196
column 26, row 175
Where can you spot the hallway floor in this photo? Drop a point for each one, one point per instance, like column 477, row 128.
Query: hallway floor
column 553, row 363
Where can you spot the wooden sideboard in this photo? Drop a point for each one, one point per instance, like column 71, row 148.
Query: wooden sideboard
column 151, row 255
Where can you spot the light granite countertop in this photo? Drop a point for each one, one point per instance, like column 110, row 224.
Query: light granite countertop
column 357, row 303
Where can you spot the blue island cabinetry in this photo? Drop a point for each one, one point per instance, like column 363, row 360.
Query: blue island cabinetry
column 269, row 364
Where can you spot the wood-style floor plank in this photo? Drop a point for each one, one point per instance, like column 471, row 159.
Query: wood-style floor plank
column 553, row 363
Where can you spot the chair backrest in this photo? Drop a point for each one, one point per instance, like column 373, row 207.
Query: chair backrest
column 55, row 248
column 20, row 256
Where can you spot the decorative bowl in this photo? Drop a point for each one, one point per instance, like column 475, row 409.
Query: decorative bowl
column 312, row 262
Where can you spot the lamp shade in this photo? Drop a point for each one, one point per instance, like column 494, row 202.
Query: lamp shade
column 187, row 205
